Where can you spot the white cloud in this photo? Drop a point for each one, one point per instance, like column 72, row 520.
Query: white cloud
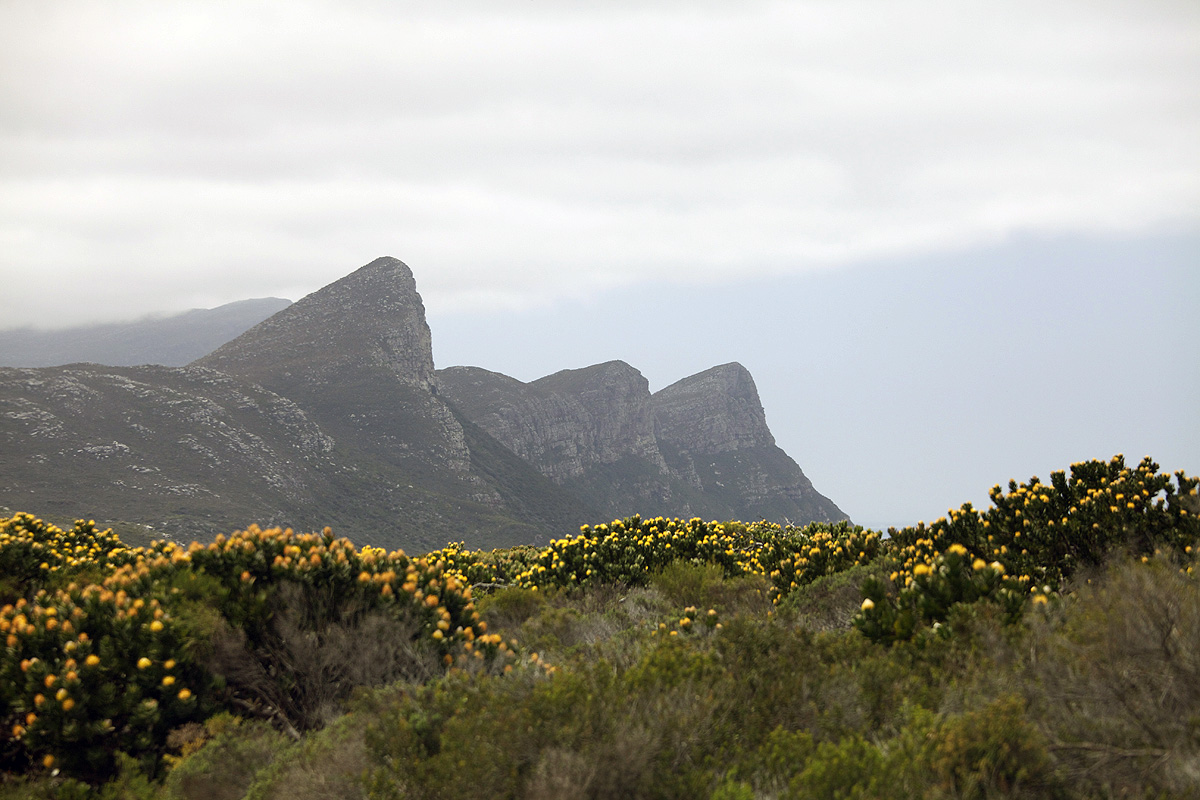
column 158, row 155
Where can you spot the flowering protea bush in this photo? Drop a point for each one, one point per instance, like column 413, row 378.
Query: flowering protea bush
column 87, row 672
column 794, row 557
column 629, row 551
column 1048, row 531
column 1033, row 538
column 931, row 589
column 34, row 553
column 92, row 669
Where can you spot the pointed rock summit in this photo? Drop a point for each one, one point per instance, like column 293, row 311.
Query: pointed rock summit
column 714, row 411
column 358, row 358
column 713, row 432
column 368, row 322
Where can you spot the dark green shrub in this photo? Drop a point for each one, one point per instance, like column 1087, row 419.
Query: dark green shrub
column 993, row 752
column 933, row 591
column 509, row 607
column 227, row 763
column 850, row 769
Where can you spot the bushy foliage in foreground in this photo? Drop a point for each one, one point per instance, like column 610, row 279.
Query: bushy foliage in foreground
column 259, row 621
column 1043, row 648
column 1028, row 543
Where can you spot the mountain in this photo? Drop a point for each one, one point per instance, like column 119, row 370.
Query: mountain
column 357, row 357
column 331, row 412
column 713, row 434
column 172, row 341
column 700, row 447
column 188, row 451
column 589, row 430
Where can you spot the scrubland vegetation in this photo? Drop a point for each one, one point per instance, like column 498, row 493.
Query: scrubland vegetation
column 1047, row 647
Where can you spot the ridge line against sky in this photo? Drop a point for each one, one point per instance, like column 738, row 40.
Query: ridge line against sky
column 158, row 157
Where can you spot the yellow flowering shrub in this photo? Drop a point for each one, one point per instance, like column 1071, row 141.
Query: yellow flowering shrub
column 1033, row 537
column 87, row 673
column 627, row 551
column 33, row 553
column 89, row 670
column 931, row 590
column 1048, row 531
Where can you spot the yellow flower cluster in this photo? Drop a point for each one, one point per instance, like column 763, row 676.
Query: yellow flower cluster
column 689, row 624
column 103, row 660
column 82, row 664
column 30, row 545
column 629, row 550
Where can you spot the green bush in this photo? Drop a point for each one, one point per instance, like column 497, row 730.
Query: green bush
column 232, row 754
column 1116, row 680
column 993, row 752
column 933, row 591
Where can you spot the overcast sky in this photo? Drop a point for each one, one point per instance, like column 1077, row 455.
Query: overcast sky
column 534, row 160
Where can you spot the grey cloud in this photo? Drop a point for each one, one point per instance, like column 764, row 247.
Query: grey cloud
column 520, row 152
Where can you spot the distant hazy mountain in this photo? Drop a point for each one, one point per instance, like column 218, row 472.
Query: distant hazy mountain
column 172, row 341
column 330, row 412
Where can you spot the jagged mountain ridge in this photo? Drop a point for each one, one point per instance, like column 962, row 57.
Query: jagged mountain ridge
column 700, row 447
column 589, row 430
column 357, row 356
column 360, row 432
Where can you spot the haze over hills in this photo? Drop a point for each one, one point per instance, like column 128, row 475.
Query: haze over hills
column 171, row 341
column 330, row 412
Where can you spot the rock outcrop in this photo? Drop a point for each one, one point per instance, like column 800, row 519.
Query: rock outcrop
column 565, row 423
column 371, row 322
column 357, row 356
column 713, row 432
column 700, row 447
column 590, row 430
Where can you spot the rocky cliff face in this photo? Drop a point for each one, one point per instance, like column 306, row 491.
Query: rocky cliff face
column 370, row 322
column 359, row 355
column 714, row 435
column 715, row 411
column 566, row 423
column 589, row 430
column 698, row 447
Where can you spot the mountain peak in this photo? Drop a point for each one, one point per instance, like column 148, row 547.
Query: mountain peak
column 370, row 321
column 713, row 411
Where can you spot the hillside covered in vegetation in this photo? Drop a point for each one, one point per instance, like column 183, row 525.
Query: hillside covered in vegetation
column 1046, row 647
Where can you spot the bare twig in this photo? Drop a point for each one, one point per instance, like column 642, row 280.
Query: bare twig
column 271, row 712
column 1119, row 752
